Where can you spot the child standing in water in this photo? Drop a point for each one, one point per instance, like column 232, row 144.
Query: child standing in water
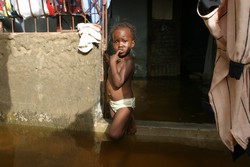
column 119, row 82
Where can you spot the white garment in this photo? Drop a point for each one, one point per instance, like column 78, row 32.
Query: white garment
column 116, row 105
column 23, row 7
column 89, row 34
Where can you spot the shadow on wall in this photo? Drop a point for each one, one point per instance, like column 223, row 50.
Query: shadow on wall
column 83, row 121
column 5, row 98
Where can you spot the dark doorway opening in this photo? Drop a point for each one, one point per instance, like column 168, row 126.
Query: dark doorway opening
column 175, row 89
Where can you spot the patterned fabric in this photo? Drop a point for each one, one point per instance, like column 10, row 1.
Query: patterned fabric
column 6, row 9
column 21, row 8
column 76, row 6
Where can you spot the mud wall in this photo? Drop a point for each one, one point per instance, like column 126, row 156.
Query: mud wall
column 46, row 81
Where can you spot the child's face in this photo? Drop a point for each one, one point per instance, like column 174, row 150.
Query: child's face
column 123, row 41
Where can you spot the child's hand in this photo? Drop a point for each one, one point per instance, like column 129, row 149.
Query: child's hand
column 115, row 56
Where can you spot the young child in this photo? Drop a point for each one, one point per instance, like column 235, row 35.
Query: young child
column 119, row 82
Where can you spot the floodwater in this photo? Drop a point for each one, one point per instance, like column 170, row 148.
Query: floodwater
column 162, row 99
column 173, row 99
column 40, row 147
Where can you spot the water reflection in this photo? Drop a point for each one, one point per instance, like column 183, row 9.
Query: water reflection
column 7, row 147
column 174, row 99
column 30, row 146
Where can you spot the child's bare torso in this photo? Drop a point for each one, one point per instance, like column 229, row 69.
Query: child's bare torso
column 120, row 93
column 123, row 92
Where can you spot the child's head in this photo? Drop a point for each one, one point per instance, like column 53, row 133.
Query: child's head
column 122, row 37
column 123, row 25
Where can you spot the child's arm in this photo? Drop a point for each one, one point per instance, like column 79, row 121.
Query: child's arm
column 120, row 77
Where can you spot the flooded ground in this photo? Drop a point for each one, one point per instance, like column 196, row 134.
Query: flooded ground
column 37, row 147
column 173, row 99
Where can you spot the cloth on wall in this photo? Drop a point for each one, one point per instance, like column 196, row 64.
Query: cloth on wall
column 228, row 22
column 90, row 34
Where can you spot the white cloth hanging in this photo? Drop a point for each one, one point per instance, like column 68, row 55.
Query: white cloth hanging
column 89, row 34
column 23, row 7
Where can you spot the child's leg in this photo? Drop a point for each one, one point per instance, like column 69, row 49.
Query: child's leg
column 132, row 125
column 119, row 123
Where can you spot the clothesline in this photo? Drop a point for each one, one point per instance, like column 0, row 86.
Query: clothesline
column 33, row 8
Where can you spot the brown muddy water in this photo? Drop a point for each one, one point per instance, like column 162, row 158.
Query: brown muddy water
column 22, row 146
column 172, row 99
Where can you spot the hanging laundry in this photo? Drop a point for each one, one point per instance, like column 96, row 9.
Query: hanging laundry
column 94, row 8
column 50, row 7
column 228, row 23
column 76, row 6
column 69, row 6
column 1, row 8
column 89, row 34
column 62, row 6
column 23, row 8
column 6, row 9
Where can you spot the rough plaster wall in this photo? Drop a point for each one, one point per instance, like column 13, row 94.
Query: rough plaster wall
column 45, row 81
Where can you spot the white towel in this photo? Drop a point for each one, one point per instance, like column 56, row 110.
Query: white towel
column 89, row 34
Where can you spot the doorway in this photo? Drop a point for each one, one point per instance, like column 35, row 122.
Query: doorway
column 164, row 38
column 174, row 90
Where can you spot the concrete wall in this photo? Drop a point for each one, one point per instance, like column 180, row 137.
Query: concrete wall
column 45, row 81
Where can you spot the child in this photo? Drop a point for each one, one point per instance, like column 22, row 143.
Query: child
column 119, row 82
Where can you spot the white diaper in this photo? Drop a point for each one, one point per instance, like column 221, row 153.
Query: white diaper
column 116, row 105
